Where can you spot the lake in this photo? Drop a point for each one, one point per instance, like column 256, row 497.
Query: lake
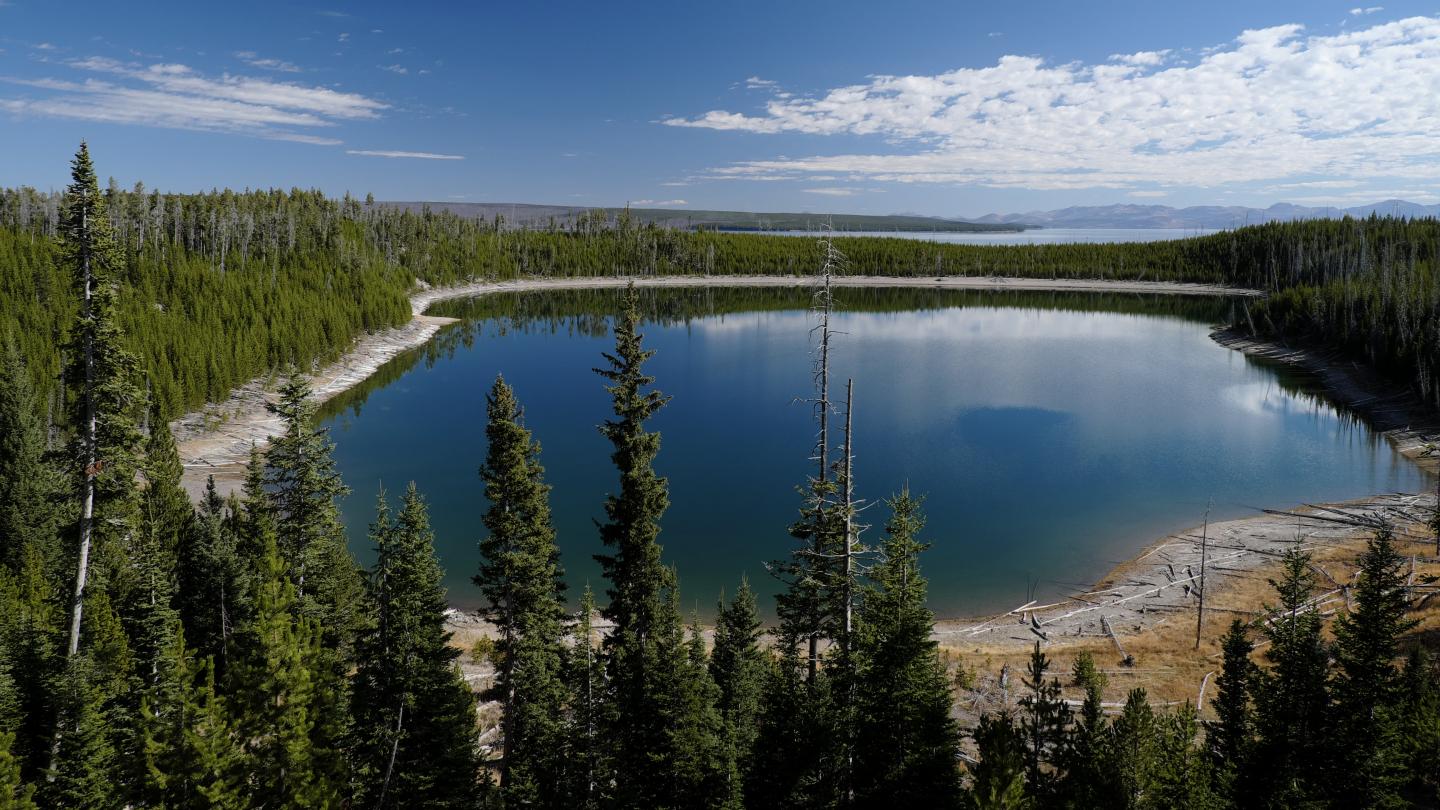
column 1053, row 435
column 1038, row 236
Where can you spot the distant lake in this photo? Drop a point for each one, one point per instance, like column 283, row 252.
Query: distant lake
column 1040, row 236
column 1053, row 435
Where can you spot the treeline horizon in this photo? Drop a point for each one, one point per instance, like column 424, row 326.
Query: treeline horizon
column 225, row 287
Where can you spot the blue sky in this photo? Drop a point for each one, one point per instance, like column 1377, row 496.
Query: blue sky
column 937, row 108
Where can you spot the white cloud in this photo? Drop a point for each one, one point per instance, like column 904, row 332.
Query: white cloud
column 1142, row 58
column 1149, row 194
column 1274, row 104
column 174, row 96
column 831, row 192
column 255, row 60
column 345, row 37
column 756, row 83
column 1357, row 12
column 658, row 203
column 390, row 153
column 400, row 69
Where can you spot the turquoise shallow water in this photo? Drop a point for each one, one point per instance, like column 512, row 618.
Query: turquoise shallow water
column 1050, row 443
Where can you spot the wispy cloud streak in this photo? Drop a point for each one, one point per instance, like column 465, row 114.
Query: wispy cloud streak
column 175, row 96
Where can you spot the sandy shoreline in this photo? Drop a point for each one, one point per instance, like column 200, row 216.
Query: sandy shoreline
column 216, row 439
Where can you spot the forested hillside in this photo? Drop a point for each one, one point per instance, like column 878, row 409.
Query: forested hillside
column 153, row 654
column 226, row 286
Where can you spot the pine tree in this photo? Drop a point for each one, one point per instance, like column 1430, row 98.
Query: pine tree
column 1181, row 776
column 415, row 716
column 165, row 513
column 1365, row 744
column 1044, row 716
column 1420, row 725
column 696, row 761
column 1230, row 738
column 587, row 768
column 906, row 740
column 738, row 667
column 213, row 580
column 998, row 778
column 787, row 768
column 192, row 757
column 15, row 794
column 29, row 486
column 1132, row 752
column 302, row 485
column 640, row 674
column 1085, row 781
column 32, row 640
column 85, row 762
column 1291, row 697
column 275, row 673
column 102, row 376
column 523, row 585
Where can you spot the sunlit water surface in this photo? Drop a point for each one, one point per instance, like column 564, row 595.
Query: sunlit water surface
column 1050, row 444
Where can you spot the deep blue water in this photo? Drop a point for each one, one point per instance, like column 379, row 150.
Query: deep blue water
column 1050, row 444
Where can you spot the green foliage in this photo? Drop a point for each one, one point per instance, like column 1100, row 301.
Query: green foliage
column 14, row 793
column 738, row 666
column 192, row 757
column 213, row 580
column 301, row 485
column 1290, row 705
column 588, row 765
column 906, row 742
column 523, row 585
column 414, row 714
column 1419, row 726
column 86, row 768
column 276, row 677
column 642, row 661
column 30, row 487
column 1044, row 716
column 1230, row 738
column 1368, row 768
column 998, row 778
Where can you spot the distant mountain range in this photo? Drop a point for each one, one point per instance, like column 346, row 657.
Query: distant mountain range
column 539, row 216
column 1198, row 216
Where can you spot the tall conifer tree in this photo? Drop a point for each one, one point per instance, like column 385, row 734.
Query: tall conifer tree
column 302, row 485
column 275, row 673
column 213, row 580
column 415, row 716
column 1292, row 699
column 906, row 741
column 588, row 772
column 102, row 377
column 1230, row 737
column 639, row 669
column 739, row 667
column 1366, row 744
column 523, row 585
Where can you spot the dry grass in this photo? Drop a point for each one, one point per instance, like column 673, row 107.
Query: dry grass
column 1165, row 661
